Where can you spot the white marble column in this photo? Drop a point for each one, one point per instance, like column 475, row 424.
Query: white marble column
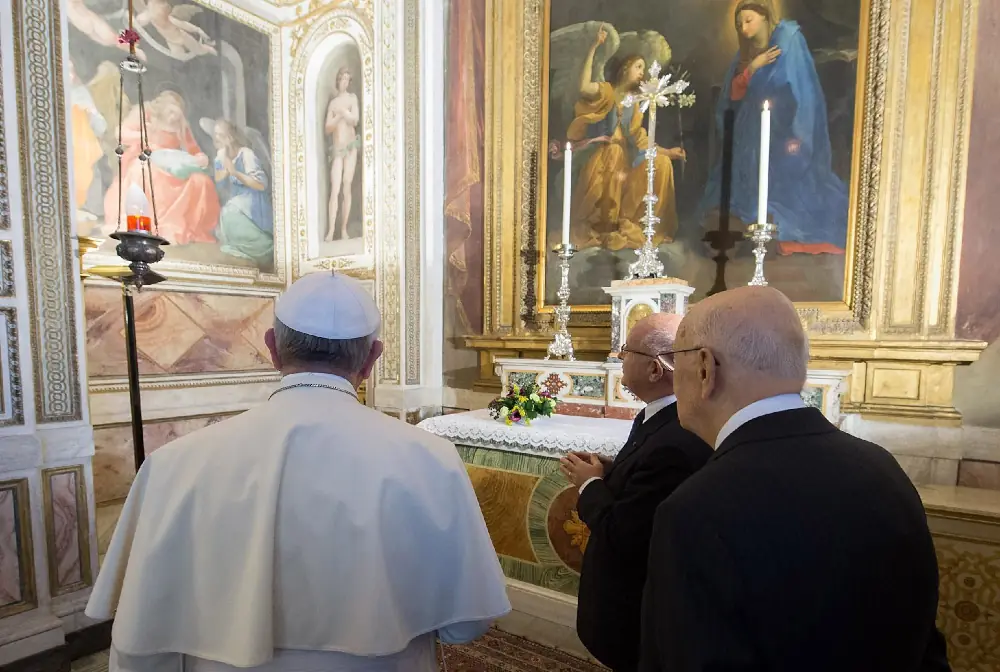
column 46, row 443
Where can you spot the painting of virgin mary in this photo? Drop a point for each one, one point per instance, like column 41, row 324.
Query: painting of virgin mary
column 806, row 199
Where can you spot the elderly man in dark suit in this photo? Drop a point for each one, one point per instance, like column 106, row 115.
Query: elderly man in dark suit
column 618, row 498
column 798, row 546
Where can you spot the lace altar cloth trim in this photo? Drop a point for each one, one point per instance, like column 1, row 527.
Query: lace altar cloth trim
column 546, row 436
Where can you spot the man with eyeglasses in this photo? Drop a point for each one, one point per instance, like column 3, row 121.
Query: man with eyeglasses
column 798, row 546
column 618, row 498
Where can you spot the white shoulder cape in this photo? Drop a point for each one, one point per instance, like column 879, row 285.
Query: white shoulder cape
column 309, row 522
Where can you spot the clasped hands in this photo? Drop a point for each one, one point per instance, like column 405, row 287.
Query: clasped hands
column 579, row 467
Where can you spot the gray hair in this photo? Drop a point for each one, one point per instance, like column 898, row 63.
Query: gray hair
column 347, row 356
column 754, row 345
column 657, row 341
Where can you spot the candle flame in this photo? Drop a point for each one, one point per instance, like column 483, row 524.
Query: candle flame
column 767, row 104
column 569, row 146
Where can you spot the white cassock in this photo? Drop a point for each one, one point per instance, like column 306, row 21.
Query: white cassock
column 308, row 533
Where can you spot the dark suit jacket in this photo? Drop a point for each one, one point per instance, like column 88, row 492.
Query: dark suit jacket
column 798, row 547
column 619, row 511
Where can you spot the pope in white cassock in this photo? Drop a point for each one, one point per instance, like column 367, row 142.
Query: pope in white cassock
column 309, row 533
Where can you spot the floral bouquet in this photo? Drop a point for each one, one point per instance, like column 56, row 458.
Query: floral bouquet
column 523, row 404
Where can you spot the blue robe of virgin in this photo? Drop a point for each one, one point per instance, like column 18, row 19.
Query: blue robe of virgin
column 806, row 199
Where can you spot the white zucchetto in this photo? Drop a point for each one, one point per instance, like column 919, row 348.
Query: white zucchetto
column 329, row 305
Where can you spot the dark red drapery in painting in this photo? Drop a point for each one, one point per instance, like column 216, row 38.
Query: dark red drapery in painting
column 463, row 197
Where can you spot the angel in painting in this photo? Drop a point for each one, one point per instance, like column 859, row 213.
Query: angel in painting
column 807, row 200
column 96, row 27
column 242, row 169
column 607, row 203
column 342, row 117
column 184, row 39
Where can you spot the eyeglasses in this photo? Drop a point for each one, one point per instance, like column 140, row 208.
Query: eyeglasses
column 661, row 357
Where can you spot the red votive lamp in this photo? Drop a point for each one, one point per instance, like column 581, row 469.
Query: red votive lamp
column 137, row 210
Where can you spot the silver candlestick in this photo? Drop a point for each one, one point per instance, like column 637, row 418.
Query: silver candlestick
column 562, row 345
column 761, row 233
column 653, row 93
column 648, row 265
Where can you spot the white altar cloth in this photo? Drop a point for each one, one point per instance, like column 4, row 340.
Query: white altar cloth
column 549, row 437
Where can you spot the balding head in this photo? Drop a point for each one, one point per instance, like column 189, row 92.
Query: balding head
column 750, row 346
column 644, row 371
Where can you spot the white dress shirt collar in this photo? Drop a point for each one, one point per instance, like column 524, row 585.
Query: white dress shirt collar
column 654, row 407
column 777, row 404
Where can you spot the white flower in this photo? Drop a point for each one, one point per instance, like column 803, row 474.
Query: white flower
column 504, row 411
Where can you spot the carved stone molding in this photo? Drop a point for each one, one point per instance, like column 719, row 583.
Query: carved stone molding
column 411, row 222
column 4, row 188
column 11, row 396
column 38, row 70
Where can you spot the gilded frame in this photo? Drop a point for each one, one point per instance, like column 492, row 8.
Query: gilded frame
column 305, row 43
column 516, row 200
column 213, row 274
column 83, row 530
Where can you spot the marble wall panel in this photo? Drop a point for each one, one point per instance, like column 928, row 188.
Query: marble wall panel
column 66, row 529
column 979, row 474
column 178, row 332
column 114, row 464
column 17, row 576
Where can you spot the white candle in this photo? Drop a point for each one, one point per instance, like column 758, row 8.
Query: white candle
column 765, row 155
column 652, row 125
column 567, row 192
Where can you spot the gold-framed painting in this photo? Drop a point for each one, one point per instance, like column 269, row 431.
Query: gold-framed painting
column 213, row 110
column 333, row 144
column 823, row 64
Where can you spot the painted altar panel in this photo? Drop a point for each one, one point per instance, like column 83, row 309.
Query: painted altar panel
column 530, row 511
column 801, row 56
column 212, row 110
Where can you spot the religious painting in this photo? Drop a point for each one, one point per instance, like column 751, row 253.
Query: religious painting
column 208, row 112
column 338, row 151
column 332, row 171
column 464, row 181
column 800, row 57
